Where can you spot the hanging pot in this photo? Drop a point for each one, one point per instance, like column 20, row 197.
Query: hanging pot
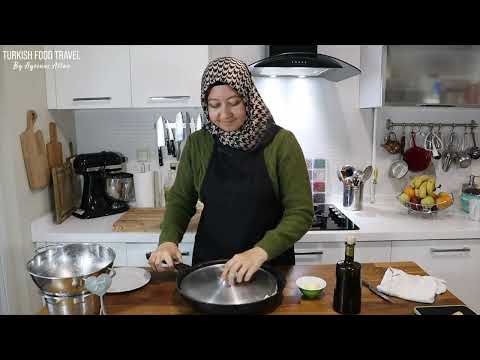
column 202, row 288
column 417, row 158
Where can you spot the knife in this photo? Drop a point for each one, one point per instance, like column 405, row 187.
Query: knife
column 171, row 141
column 179, row 132
column 167, row 137
column 160, row 139
column 199, row 121
column 376, row 292
column 192, row 125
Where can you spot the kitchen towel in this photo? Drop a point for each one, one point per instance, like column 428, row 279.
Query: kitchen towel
column 417, row 288
column 144, row 189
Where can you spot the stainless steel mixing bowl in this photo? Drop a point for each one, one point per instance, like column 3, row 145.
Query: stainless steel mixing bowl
column 61, row 270
column 119, row 186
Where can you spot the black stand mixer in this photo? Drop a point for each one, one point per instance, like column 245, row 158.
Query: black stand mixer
column 106, row 189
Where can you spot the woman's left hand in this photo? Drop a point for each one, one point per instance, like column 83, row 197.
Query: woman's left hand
column 242, row 266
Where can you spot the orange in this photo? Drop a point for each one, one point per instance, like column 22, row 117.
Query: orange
column 444, row 201
column 409, row 191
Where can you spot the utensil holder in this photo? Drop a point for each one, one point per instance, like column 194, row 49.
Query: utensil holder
column 347, row 195
column 357, row 203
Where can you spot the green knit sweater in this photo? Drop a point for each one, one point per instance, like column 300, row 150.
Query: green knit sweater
column 286, row 166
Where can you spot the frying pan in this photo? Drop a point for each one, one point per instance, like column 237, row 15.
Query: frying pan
column 201, row 287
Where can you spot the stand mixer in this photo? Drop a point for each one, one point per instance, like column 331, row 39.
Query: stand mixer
column 106, row 189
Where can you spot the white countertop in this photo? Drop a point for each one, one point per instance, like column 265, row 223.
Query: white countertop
column 384, row 220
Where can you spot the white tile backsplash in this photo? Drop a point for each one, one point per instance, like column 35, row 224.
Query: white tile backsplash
column 125, row 130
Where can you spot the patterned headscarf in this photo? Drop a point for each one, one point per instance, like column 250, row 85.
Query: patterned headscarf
column 235, row 73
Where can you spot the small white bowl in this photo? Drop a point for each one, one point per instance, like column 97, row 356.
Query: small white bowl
column 311, row 286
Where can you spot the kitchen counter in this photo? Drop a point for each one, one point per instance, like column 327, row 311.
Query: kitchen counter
column 159, row 297
column 384, row 220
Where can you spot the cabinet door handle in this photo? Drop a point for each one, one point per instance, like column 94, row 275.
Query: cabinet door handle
column 92, row 98
column 464, row 249
column 185, row 253
column 168, row 98
column 310, row 253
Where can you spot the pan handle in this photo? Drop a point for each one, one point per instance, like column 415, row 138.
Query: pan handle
column 180, row 267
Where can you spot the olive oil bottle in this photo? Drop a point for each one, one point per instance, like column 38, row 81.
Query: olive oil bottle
column 347, row 296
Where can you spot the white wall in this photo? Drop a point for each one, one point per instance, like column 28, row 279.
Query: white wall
column 20, row 92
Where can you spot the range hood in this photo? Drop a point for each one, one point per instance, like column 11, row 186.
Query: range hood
column 302, row 61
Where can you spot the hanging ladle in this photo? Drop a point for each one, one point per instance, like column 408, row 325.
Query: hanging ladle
column 474, row 150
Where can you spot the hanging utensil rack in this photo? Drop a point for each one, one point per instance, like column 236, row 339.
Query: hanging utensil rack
column 390, row 124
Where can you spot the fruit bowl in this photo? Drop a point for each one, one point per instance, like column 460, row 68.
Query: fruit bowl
column 420, row 196
column 418, row 208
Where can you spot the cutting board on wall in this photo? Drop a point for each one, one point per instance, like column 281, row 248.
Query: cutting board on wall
column 35, row 154
column 54, row 148
column 147, row 220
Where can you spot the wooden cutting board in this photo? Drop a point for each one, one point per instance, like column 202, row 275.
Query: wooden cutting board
column 63, row 191
column 54, row 148
column 147, row 220
column 35, row 154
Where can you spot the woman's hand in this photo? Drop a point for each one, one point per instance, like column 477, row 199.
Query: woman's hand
column 168, row 252
column 242, row 266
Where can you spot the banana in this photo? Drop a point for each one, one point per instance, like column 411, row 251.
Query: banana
column 417, row 193
column 423, row 190
column 420, row 180
column 430, row 186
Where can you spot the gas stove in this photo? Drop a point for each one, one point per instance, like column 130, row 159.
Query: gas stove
column 328, row 217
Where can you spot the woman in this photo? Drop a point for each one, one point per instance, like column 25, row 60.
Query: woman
column 249, row 173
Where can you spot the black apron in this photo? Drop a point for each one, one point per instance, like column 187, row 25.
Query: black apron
column 240, row 206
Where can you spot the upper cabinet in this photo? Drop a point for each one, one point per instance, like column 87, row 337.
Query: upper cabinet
column 127, row 76
column 420, row 75
column 98, row 78
column 167, row 75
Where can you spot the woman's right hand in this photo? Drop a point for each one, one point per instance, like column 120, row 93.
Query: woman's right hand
column 167, row 252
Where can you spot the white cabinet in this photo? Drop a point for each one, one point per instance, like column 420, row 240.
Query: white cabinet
column 456, row 261
column 136, row 253
column 314, row 253
column 167, row 75
column 419, row 75
column 99, row 78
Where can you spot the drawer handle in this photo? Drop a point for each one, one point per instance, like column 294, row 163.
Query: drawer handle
column 186, row 253
column 168, row 98
column 92, row 98
column 464, row 249
column 310, row 253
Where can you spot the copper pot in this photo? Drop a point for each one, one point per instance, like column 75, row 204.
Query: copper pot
column 391, row 143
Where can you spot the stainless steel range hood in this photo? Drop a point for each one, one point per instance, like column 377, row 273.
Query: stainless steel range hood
column 302, row 61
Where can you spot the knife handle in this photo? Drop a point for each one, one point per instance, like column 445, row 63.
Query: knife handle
column 172, row 148
column 160, row 156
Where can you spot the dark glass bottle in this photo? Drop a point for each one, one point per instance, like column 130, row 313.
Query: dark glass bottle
column 347, row 296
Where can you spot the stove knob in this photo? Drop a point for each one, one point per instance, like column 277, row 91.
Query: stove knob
column 341, row 220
